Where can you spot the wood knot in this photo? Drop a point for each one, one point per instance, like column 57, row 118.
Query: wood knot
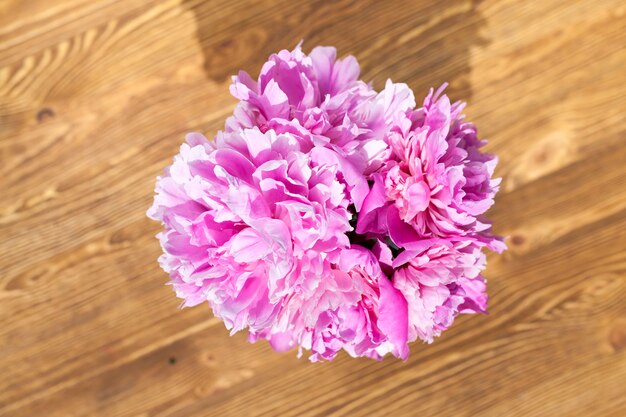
column 23, row 282
column 617, row 337
column 518, row 240
column 226, row 44
column 208, row 359
column 45, row 113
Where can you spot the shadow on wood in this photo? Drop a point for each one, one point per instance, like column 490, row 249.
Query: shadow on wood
column 421, row 43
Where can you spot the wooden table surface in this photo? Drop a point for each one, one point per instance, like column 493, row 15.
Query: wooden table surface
column 95, row 97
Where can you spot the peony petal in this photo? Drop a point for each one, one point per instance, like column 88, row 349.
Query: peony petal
column 371, row 210
column 248, row 246
column 393, row 317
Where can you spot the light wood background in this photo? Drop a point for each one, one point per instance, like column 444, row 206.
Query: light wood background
column 95, row 97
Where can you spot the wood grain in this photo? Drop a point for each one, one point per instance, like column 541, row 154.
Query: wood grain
column 95, row 97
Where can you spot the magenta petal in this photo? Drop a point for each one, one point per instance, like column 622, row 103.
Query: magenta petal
column 358, row 256
column 356, row 181
column 235, row 164
column 393, row 317
column 475, row 295
column 282, row 342
column 401, row 233
column 370, row 211
column 382, row 252
column 323, row 58
column 248, row 246
column 418, row 196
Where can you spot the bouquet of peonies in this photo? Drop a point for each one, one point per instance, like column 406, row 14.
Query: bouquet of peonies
column 330, row 216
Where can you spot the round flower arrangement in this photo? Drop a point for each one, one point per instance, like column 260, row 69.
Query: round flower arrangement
column 329, row 216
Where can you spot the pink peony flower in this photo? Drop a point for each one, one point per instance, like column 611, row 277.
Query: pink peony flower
column 327, row 216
